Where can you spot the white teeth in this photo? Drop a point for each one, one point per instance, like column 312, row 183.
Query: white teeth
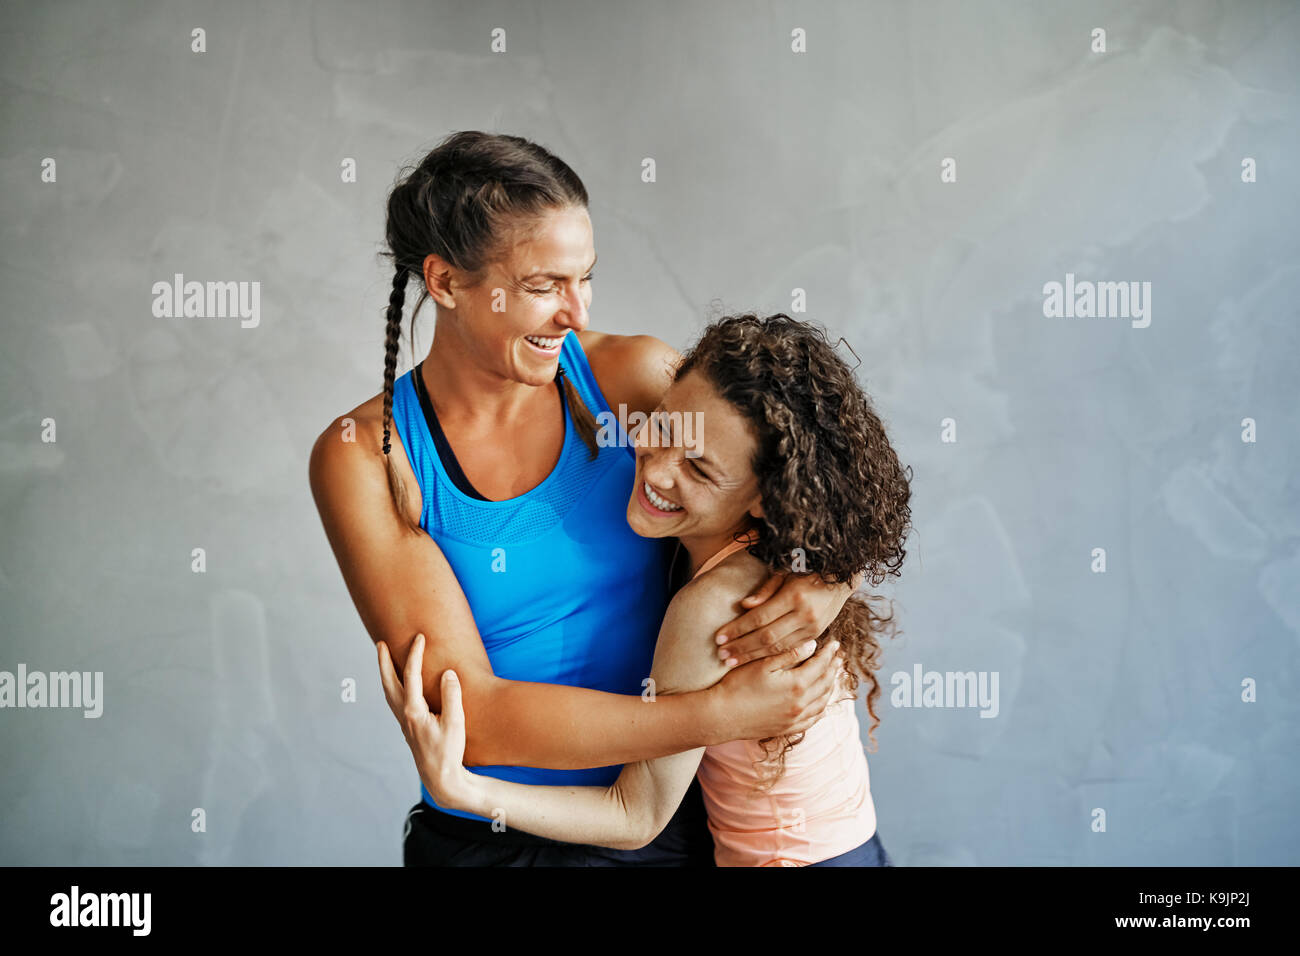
column 660, row 503
column 545, row 343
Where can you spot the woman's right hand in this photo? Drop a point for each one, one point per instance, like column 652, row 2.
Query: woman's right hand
column 783, row 694
column 436, row 742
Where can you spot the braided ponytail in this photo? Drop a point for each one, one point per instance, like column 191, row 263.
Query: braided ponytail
column 583, row 420
column 392, row 338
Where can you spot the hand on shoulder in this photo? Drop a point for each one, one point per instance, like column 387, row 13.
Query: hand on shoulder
column 686, row 657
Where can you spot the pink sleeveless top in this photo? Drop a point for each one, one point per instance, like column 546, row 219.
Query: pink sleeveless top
column 821, row 807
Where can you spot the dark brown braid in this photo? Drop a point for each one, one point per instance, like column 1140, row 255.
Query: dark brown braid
column 391, row 340
column 471, row 198
column 583, row 420
column 392, row 337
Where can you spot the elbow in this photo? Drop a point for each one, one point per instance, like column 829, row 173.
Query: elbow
column 657, row 825
column 629, row 841
column 635, row 837
column 642, row 827
column 627, row 844
column 643, row 833
column 483, row 739
column 640, row 842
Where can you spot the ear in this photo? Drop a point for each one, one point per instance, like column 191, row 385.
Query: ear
column 756, row 509
column 437, row 279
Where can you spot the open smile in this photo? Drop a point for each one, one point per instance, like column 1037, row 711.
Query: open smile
column 548, row 345
column 654, row 502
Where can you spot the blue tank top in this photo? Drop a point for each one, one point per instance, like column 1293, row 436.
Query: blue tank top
column 562, row 590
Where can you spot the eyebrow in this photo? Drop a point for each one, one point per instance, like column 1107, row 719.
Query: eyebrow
column 558, row 276
column 698, row 459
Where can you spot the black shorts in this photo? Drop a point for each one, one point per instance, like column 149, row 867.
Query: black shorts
column 434, row 838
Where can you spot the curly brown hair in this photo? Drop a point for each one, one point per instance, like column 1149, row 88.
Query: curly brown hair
column 834, row 496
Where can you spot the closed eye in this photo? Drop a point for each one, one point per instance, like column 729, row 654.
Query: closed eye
column 666, row 438
column 555, row 288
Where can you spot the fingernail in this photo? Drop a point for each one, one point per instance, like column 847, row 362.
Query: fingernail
column 835, row 645
column 723, row 654
column 722, row 638
column 809, row 646
column 452, row 675
column 732, row 662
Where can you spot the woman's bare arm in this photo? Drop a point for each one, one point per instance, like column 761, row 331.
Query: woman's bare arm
column 402, row 584
column 633, row 810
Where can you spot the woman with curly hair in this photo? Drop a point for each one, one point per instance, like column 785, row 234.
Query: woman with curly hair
column 793, row 469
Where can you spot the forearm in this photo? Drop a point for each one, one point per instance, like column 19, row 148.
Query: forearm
column 626, row 815
column 522, row 724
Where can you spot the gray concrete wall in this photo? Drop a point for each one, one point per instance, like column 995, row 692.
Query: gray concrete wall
column 776, row 170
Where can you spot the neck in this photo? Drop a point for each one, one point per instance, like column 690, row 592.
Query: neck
column 466, row 393
column 703, row 547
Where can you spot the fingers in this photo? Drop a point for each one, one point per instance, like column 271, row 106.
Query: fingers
column 825, row 667
column 416, row 706
column 388, row 676
column 822, row 664
column 751, row 621
column 764, row 591
column 804, row 724
column 804, row 651
column 452, row 718
column 792, row 597
column 793, row 657
column 776, row 638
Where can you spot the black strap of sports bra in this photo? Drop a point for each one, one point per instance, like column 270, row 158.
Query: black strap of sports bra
column 440, row 443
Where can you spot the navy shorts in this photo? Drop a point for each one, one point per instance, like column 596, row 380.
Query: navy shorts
column 434, row 838
column 871, row 853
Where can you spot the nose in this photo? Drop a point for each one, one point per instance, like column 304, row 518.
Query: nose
column 573, row 315
column 657, row 470
column 657, row 461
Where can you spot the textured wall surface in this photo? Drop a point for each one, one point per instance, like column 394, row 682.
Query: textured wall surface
column 823, row 171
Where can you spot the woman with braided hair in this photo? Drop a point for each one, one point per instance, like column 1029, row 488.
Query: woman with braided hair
column 477, row 506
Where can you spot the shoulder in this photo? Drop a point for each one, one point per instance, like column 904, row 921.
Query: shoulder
column 717, row 594
column 344, row 440
column 633, row 370
column 347, row 467
column 686, row 657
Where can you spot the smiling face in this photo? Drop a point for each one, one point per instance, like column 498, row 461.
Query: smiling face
column 704, row 497
column 541, row 292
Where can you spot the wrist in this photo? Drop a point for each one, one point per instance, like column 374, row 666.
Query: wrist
column 465, row 791
column 709, row 719
column 449, row 789
column 843, row 592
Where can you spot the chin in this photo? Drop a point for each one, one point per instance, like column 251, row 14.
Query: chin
column 635, row 518
column 537, row 379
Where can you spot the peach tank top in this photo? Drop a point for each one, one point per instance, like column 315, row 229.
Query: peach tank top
column 821, row 807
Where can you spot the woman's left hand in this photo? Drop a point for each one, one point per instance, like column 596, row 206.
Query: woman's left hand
column 787, row 609
column 436, row 742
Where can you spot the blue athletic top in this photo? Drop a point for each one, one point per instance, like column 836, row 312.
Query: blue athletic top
column 562, row 590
